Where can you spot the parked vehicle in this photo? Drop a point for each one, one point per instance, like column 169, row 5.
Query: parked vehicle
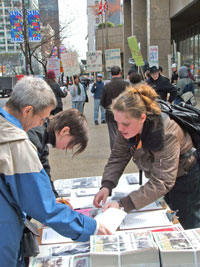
column 6, row 85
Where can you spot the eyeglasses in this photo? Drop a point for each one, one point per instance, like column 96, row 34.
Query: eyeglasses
column 43, row 119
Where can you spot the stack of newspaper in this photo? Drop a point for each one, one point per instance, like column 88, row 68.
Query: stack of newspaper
column 179, row 248
column 126, row 249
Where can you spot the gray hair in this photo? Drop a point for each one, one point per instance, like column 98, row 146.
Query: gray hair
column 31, row 91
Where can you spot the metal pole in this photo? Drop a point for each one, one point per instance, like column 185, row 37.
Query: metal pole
column 103, row 48
column 25, row 39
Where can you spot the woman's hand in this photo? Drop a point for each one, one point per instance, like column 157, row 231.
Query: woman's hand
column 111, row 205
column 101, row 197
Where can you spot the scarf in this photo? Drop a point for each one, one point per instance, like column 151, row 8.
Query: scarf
column 79, row 89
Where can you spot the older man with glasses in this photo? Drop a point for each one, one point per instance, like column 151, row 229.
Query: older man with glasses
column 25, row 188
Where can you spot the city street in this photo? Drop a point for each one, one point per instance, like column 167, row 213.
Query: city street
column 92, row 161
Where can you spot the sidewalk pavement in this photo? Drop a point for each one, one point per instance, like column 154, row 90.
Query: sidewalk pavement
column 90, row 162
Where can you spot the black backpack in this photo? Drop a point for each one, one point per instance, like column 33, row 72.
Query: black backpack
column 187, row 117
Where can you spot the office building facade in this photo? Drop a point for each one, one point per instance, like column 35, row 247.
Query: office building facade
column 114, row 15
column 171, row 25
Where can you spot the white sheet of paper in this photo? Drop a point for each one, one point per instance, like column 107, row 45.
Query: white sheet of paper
column 146, row 219
column 49, row 236
column 111, row 218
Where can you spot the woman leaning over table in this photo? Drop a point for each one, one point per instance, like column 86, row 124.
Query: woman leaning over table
column 157, row 146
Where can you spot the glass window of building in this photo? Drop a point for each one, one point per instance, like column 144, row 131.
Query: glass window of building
column 2, row 41
column 2, row 48
column 10, row 48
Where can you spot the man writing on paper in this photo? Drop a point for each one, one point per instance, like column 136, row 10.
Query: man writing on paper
column 25, row 188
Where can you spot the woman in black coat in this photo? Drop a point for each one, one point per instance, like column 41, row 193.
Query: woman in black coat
column 59, row 93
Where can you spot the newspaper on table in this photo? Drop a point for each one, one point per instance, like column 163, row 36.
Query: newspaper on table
column 145, row 219
column 94, row 61
column 179, row 248
column 82, row 185
column 70, row 63
column 126, row 249
column 66, row 255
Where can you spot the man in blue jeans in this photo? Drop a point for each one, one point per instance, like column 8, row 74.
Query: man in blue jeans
column 97, row 89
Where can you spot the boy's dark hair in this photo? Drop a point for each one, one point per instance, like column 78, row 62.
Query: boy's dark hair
column 135, row 78
column 78, row 125
column 160, row 69
column 131, row 71
column 115, row 70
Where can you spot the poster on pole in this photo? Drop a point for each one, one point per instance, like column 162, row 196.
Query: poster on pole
column 178, row 60
column 94, row 61
column 169, row 65
column 16, row 24
column 135, row 51
column 153, row 56
column 112, row 58
column 33, row 17
column 54, row 64
column 70, row 63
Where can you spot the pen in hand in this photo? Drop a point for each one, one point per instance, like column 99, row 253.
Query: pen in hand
column 66, row 202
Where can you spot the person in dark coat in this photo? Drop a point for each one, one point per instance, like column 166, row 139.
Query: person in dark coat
column 73, row 122
column 174, row 77
column 161, row 85
column 97, row 89
column 110, row 91
column 59, row 93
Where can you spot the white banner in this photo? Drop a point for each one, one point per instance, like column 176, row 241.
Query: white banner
column 94, row 61
column 112, row 57
column 54, row 64
column 153, row 56
column 70, row 63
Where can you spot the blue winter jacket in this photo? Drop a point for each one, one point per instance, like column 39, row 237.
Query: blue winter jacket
column 29, row 186
column 97, row 89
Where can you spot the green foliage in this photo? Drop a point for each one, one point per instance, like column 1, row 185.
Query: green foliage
column 109, row 24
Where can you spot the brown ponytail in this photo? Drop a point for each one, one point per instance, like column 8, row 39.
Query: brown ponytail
column 137, row 100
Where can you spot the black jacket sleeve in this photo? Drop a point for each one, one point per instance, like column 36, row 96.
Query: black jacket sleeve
column 58, row 91
column 37, row 137
column 103, row 98
column 171, row 89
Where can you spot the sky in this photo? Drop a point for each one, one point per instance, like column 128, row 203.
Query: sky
column 75, row 11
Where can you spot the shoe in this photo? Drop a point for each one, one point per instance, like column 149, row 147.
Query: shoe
column 103, row 121
column 96, row 123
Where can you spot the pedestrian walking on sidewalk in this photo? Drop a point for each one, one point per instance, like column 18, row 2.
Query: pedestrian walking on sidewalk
column 97, row 89
column 110, row 91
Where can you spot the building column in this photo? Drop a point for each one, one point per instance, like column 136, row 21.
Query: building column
column 126, row 34
column 159, row 30
column 134, row 24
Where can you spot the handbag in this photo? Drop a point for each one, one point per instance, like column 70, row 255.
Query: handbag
column 29, row 240
column 189, row 98
column 86, row 98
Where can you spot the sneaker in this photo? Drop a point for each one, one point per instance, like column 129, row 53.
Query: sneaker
column 96, row 123
column 103, row 121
